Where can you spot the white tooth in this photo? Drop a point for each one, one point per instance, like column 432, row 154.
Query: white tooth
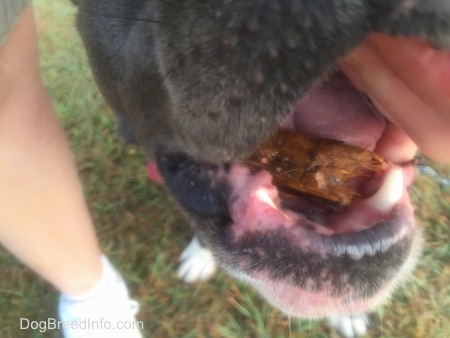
column 389, row 193
column 263, row 196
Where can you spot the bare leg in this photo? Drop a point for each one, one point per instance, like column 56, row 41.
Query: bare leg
column 44, row 220
column 43, row 217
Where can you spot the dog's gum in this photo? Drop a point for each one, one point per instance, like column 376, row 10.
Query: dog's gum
column 320, row 169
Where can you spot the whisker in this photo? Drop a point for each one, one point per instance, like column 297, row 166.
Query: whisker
column 289, row 324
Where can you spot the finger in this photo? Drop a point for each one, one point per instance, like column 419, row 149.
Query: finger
column 429, row 130
column 395, row 145
column 425, row 70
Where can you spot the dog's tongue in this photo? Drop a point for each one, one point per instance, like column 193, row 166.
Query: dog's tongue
column 336, row 110
column 153, row 172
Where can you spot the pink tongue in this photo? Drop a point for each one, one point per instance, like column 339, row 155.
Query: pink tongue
column 336, row 110
column 153, row 172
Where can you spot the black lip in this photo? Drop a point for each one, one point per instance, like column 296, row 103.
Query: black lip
column 197, row 186
column 361, row 263
column 378, row 238
column 337, row 272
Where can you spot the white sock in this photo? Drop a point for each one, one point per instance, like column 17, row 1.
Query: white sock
column 109, row 277
column 108, row 300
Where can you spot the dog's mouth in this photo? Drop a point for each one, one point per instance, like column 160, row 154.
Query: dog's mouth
column 306, row 256
column 333, row 110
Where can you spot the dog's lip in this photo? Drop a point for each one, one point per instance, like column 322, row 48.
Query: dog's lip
column 322, row 263
column 370, row 225
column 310, row 273
column 317, row 295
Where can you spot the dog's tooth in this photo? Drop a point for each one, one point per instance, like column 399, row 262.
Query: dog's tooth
column 389, row 193
column 264, row 196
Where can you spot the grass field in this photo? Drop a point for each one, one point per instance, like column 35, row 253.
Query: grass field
column 141, row 231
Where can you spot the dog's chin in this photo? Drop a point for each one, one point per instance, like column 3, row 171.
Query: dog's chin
column 315, row 263
column 309, row 270
column 325, row 299
column 307, row 259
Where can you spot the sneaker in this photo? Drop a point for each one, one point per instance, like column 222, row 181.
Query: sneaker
column 104, row 312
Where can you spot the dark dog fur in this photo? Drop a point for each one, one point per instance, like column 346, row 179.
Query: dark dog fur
column 206, row 81
column 213, row 79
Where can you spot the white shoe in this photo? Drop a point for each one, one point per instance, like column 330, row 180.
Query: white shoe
column 105, row 312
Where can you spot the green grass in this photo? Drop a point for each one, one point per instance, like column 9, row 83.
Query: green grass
column 143, row 234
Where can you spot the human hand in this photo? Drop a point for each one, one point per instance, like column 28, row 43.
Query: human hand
column 409, row 82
